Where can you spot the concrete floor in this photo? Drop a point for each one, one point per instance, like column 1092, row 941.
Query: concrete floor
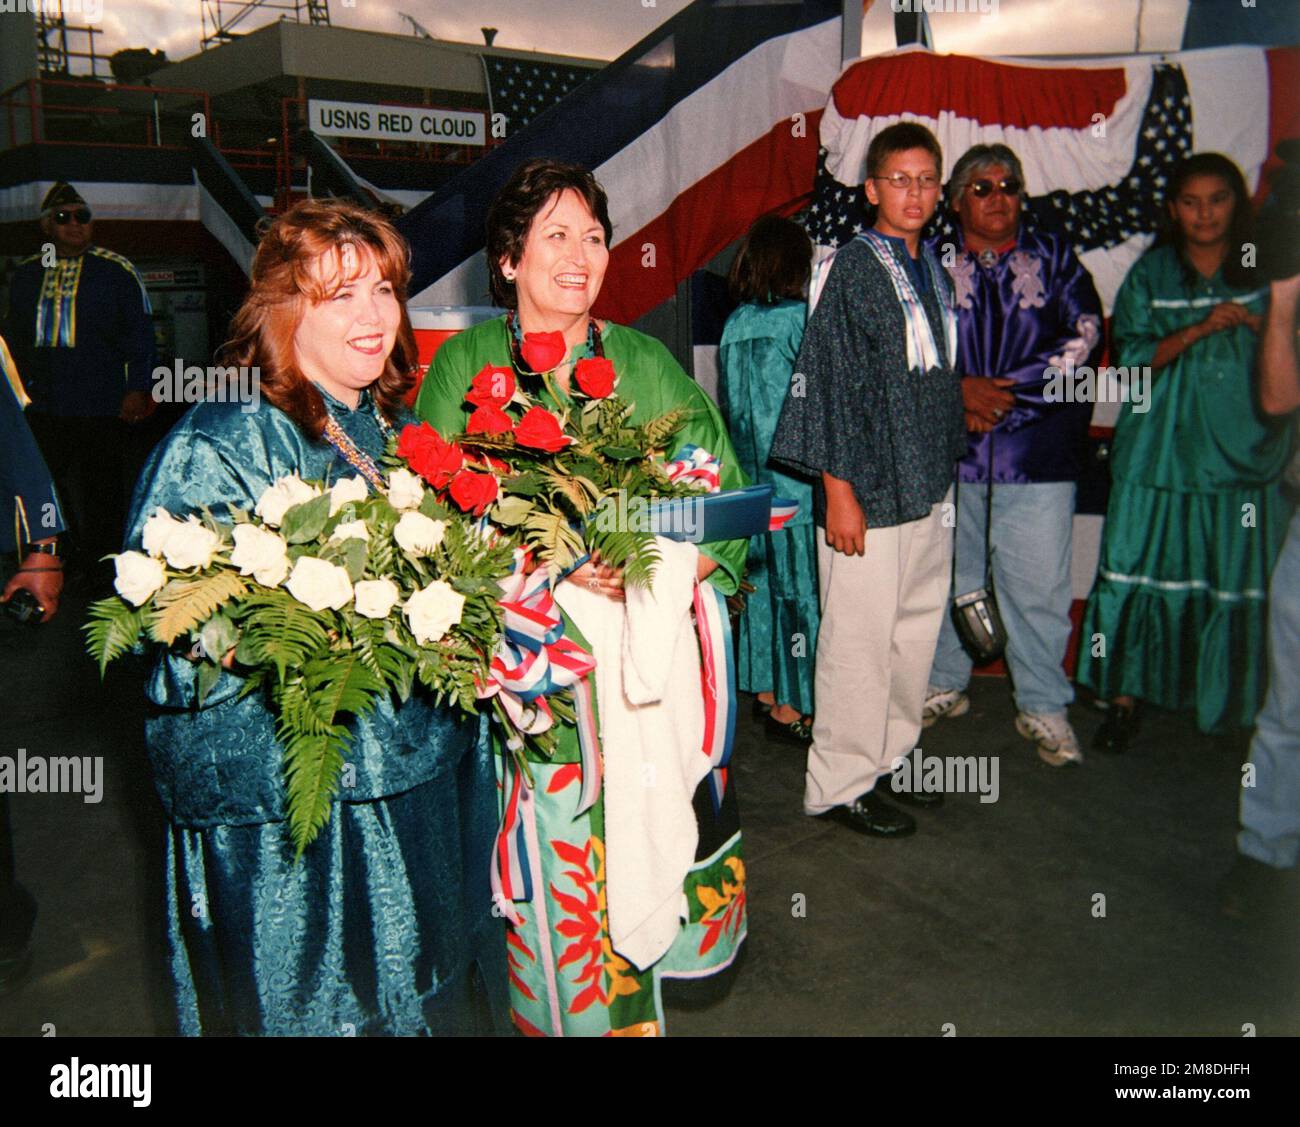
column 985, row 919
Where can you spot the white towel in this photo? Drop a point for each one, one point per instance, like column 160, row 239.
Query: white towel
column 652, row 735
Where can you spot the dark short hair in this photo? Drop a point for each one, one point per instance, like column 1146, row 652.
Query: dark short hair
column 898, row 138
column 531, row 186
column 774, row 262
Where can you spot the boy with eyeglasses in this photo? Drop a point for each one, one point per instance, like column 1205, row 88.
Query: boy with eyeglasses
column 80, row 327
column 874, row 414
column 1026, row 308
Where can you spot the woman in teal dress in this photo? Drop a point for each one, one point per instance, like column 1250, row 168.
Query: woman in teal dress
column 547, row 248
column 1196, row 518
column 778, row 631
column 384, row 926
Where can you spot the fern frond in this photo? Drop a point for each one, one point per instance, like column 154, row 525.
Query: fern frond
column 185, row 603
column 279, row 629
column 114, row 627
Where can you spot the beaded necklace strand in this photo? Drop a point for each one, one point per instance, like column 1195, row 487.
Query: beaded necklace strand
column 348, row 450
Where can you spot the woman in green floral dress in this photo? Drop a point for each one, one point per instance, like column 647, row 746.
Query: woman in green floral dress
column 548, row 234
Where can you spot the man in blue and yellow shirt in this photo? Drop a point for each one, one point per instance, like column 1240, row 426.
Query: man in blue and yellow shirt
column 80, row 329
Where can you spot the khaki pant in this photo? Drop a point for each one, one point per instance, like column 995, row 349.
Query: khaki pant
column 881, row 614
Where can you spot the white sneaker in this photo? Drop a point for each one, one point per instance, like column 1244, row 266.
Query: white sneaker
column 943, row 702
column 1058, row 746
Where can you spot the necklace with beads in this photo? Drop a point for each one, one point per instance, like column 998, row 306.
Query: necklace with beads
column 350, row 452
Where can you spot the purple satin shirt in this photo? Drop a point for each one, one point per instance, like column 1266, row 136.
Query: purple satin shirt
column 1034, row 307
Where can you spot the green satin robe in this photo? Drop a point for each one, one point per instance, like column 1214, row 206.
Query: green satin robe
column 385, row 926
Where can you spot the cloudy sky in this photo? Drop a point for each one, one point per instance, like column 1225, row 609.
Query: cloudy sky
column 606, row 28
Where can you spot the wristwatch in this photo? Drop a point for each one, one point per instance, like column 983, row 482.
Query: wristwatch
column 51, row 548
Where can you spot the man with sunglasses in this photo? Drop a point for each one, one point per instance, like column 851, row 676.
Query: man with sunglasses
column 81, row 331
column 1024, row 305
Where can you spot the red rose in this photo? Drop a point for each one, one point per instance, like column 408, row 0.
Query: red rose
column 429, row 455
column 542, row 351
column 492, row 387
column 489, row 420
column 595, row 375
column 473, row 492
column 541, row 430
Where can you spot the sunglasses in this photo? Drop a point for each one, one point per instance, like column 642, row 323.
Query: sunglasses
column 981, row 188
column 81, row 215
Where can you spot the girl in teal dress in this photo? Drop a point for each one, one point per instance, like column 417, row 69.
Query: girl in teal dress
column 778, row 631
column 384, row 926
column 1195, row 520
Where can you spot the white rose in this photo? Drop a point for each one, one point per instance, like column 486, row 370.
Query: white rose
column 319, row 584
column 433, row 611
column 418, row 534
column 138, row 577
column 156, row 530
column 376, row 597
column 282, row 496
column 405, row 490
column 261, row 553
column 347, row 489
column 191, row 544
column 351, row 530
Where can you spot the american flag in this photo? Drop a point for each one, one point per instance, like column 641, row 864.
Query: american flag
column 1090, row 218
column 522, row 89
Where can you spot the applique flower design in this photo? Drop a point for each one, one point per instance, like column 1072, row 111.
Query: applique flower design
column 723, row 911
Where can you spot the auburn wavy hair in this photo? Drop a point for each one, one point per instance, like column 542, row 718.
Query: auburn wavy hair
column 262, row 332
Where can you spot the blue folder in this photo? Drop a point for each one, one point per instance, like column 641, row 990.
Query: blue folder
column 733, row 514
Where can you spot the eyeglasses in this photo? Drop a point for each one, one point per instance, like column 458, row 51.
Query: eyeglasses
column 81, row 215
column 927, row 181
column 981, row 188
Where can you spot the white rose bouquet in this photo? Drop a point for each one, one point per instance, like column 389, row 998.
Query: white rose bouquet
column 326, row 597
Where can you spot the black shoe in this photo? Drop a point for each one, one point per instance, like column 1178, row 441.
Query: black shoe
column 797, row 733
column 1120, row 726
column 925, row 800
column 871, row 814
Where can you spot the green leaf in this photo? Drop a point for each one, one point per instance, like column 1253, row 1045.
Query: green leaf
column 218, row 635
column 184, row 603
column 527, row 484
column 205, row 678
column 432, row 508
column 305, row 522
column 510, row 511
column 349, row 554
column 622, row 453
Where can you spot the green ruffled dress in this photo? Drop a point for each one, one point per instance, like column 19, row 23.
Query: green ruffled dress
column 1195, row 519
column 385, row 925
